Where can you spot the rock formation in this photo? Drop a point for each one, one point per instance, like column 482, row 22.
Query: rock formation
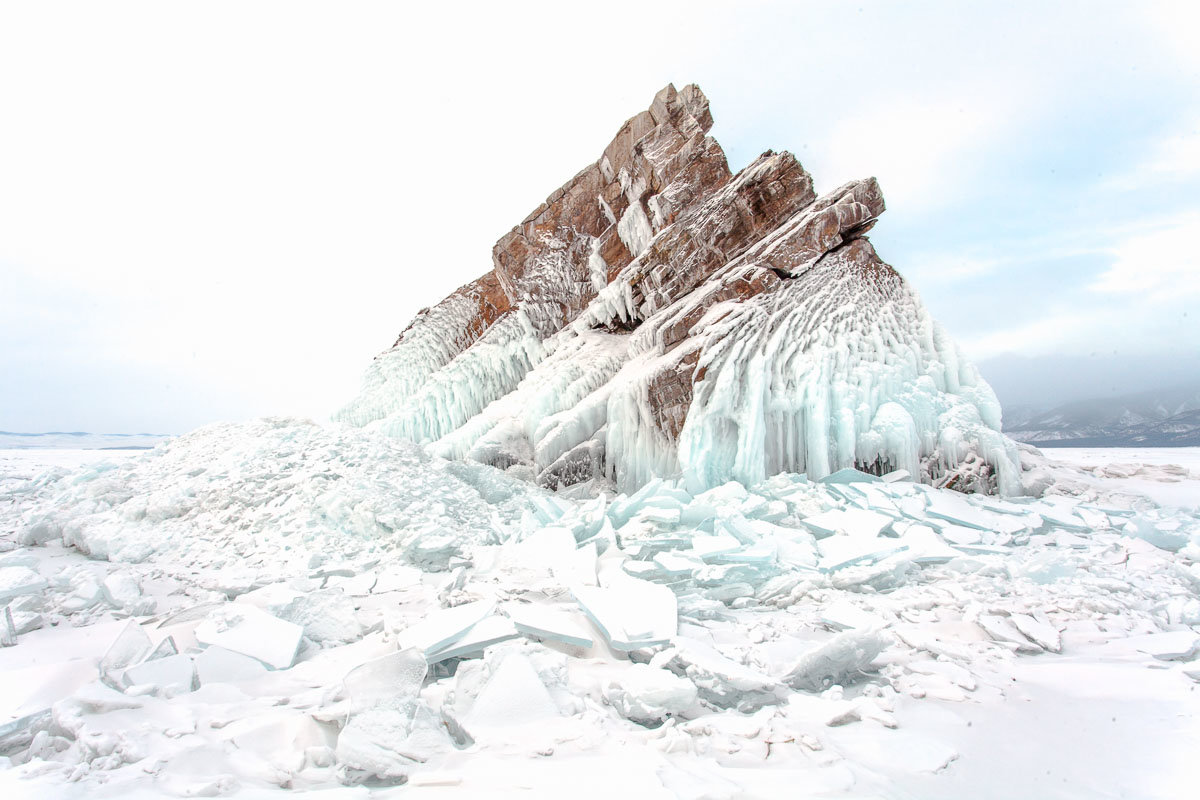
column 658, row 316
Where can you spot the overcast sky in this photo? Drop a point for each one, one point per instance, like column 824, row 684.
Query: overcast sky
column 223, row 210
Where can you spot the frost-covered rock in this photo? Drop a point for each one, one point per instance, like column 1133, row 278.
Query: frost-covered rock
column 658, row 316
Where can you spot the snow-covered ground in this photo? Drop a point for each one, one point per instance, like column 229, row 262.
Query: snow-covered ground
column 281, row 604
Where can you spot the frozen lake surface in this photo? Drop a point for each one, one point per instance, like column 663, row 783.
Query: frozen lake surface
column 278, row 605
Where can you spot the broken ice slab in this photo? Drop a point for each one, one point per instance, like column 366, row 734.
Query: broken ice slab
column 880, row 499
column 623, row 507
column 841, row 661
column 674, row 564
column 1070, row 541
column 631, row 613
column 480, row 636
column 177, row 671
column 252, row 632
column 1170, row 646
column 697, row 514
column 843, row 615
column 704, row 547
column 721, row 681
column 166, row 647
column 388, row 740
column 925, row 546
column 395, row 676
column 131, row 646
column 646, row 548
column 848, row 493
column 646, row 570
column 547, row 623
column 547, row 508
column 838, row 552
column 396, row 578
column 215, row 664
column 1001, row 629
column 959, row 534
column 895, row 476
column 761, row 553
column 18, row 580
column 1041, row 633
column 850, row 475
column 1095, row 520
column 1060, row 514
column 954, row 507
column 513, row 695
column 445, row 626
column 1163, row 534
column 852, row 521
column 8, row 631
column 983, row 549
column 647, row 694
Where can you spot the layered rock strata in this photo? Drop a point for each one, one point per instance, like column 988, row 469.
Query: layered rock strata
column 659, row 317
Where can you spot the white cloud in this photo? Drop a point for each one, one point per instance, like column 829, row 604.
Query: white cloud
column 1159, row 265
column 917, row 147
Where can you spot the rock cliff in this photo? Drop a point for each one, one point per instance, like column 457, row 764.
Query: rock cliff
column 660, row 317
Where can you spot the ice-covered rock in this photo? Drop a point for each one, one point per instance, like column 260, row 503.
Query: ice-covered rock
column 658, row 317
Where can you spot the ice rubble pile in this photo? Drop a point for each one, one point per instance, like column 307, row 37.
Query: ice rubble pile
column 658, row 316
column 244, row 639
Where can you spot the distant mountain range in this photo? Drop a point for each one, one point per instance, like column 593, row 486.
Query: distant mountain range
column 79, row 440
column 1158, row 418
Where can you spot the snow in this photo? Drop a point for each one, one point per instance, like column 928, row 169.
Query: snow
column 711, row 652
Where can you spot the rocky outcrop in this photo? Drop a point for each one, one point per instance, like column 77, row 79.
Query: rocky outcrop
column 658, row 165
column 660, row 317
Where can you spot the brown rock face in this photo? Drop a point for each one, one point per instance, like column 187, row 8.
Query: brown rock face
column 485, row 301
column 659, row 163
column 710, row 235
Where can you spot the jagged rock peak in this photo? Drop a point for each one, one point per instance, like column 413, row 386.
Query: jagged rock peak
column 658, row 317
